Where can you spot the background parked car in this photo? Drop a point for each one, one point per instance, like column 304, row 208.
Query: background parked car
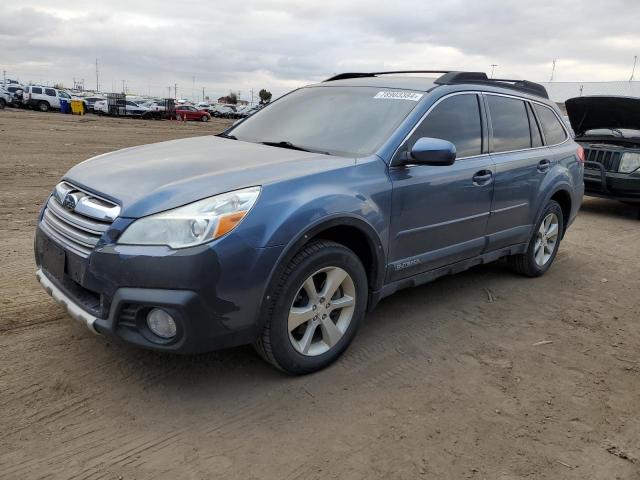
column 5, row 97
column 16, row 91
column 189, row 112
column 127, row 108
column 90, row 102
column 44, row 98
column 222, row 111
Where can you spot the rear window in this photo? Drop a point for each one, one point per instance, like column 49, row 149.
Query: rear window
column 36, row 90
column 553, row 130
column 536, row 137
column 50, row 91
column 510, row 124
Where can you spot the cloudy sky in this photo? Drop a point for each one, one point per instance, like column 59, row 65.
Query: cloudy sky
column 282, row 44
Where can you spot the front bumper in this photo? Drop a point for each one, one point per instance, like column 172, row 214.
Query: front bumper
column 620, row 186
column 213, row 291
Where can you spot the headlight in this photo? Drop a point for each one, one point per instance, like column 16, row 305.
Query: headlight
column 630, row 162
column 193, row 224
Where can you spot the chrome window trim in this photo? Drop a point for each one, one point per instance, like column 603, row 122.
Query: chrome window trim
column 479, row 92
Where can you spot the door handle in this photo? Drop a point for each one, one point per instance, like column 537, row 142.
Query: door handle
column 482, row 177
column 544, row 165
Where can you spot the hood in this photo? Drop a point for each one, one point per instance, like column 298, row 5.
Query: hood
column 587, row 113
column 156, row 177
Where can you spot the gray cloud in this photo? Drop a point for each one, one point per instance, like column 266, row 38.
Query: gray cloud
column 280, row 44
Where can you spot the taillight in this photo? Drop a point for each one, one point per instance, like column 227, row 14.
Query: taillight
column 581, row 155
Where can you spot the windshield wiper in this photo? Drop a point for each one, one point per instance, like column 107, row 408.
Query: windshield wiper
column 226, row 135
column 291, row 146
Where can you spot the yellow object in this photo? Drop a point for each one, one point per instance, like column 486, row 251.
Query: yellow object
column 77, row 107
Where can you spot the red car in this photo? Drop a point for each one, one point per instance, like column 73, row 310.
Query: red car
column 189, row 112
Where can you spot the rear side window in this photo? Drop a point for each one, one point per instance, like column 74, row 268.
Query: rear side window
column 536, row 137
column 37, row 90
column 50, row 91
column 510, row 124
column 554, row 132
column 456, row 119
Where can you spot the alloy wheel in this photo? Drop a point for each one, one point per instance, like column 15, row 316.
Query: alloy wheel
column 546, row 239
column 322, row 311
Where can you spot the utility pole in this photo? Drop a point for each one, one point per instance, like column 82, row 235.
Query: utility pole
column 581, row 87
column 493, row 68
column 252, row 97
column 124, row 88
column 553, row 70
column 4, row 77
column 175, row 90
column 97, row 77
column 633, row 70
column 193, row 88
column 203, row 94
column 169, row 90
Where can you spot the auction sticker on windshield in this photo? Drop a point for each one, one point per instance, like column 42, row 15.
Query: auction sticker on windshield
column 413, row 96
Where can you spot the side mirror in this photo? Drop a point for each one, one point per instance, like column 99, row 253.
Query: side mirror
column 431, row 151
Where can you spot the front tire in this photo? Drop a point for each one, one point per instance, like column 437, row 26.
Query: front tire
column 205, row 118
column 43, row 106
column 544, row 244
column 314, row 310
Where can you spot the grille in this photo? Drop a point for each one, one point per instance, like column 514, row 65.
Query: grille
column 609, row 159
column 76, row 219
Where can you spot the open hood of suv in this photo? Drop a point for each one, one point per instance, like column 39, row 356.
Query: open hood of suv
column 587, row 113
column 156, row 177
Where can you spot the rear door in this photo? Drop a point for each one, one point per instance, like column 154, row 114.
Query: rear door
column 52, row 97
column 521, row 162
column 439, row 213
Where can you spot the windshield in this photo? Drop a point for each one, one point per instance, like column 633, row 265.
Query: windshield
column 349, row 121
column 616, row 132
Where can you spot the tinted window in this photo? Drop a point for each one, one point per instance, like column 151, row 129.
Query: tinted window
column 510, row 124
column 64, row 95
column 50, row 91
column 536, row 137
column 36, row 90
column 350, row 121
column 456, row 119
column 553, row 131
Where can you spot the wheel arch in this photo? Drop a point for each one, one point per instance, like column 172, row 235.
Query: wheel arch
column 349, row 230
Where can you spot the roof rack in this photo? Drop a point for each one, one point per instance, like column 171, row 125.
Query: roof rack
column 455, row 78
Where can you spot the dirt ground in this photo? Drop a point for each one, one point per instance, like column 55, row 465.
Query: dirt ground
column 445, row 381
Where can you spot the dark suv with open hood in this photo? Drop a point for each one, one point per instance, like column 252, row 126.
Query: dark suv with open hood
column 286, row 228
column 609, row 130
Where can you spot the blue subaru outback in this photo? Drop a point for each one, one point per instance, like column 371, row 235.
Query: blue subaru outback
column 283, row 231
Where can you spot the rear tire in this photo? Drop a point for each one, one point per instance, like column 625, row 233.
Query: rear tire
column 43, row 106
column 314, row 310
column 544, row 244
column 3, row 103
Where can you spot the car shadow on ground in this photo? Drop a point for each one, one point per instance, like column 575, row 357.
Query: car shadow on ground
column 603, row 206
column 242, row 370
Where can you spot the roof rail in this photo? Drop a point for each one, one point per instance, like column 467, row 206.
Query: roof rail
column 344, row 76
column 455, row 78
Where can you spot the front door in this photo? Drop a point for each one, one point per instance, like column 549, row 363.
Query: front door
column 439, row 213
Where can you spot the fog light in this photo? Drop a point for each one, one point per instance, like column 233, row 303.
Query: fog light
column 161, row 323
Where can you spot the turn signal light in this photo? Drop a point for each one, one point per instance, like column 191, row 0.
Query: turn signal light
column 581, row 155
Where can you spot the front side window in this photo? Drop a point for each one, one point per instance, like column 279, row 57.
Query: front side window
column 339, row 120
column 554, row 132
column 64, row 95
column 510, row 124
column 50, row 91
column 457, row 120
